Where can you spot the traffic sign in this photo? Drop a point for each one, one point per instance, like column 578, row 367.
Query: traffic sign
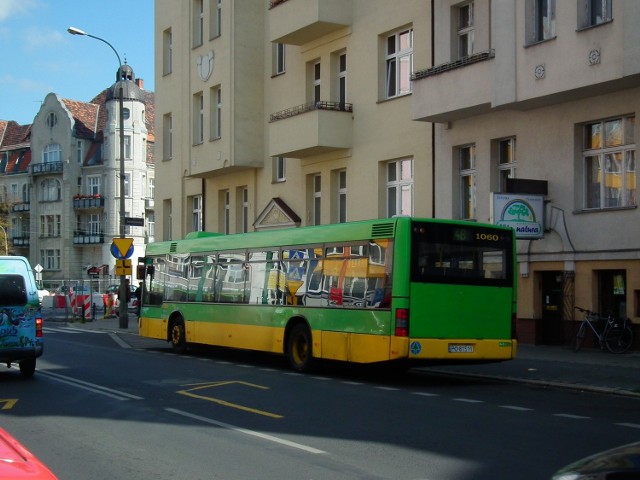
column 134, row 221
column 122, row 248
column 123, row 267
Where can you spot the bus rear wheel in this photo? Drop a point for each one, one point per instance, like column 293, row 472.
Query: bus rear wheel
column 177, row 336
column 299, row 348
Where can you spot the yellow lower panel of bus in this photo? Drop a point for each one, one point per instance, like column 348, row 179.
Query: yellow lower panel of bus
column 249, row 337
column 152, row 328
column 352, row 347
column 462, row 349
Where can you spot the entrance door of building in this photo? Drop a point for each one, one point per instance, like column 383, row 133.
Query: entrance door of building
column 552, row 331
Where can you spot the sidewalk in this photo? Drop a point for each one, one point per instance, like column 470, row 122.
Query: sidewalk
column 556, row 366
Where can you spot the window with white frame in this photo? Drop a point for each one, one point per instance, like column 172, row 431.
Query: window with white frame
column 14, row 192
column 341, row 200
column 167, row 136
column 467, row 168
column 51, row 190
column 278, row 58
column 399, row 63
column 594, row 12
column 52, row 120
column 244, row 201
column 316, row 205
column 127, row 184
column 215, row 9
column 198, row 118
column 127, row 147
column 93, row 185
column 315, row 86
column 400, row 187
column 151, row 226
column 216, row 113
column 50, row 258
column 79, row 152
column 151, row 191
column 342, row 78
column 196, row 213
column 94, row 224
column 540, row 20
column 167, row 52
column 226, row 214
column 26, row 193
column 609, row 161
column 52, row 153
column 506, row 161
column 126, row 228
column 167, row 219
column 198, row 22
column 50, row 225
column 279, row 169
column 466, row 31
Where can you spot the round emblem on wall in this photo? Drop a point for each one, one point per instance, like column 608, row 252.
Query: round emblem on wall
column 204, row 64
column 540, row 72
column 594, row 56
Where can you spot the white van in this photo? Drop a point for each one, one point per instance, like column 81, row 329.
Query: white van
column 20, row 318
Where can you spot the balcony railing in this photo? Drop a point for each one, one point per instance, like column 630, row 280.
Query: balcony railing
column 84, row 202
column 293, row 111
column 149, row 204
column 20, row 241
column 461, row 62
column 83, row 237
column 21, row 207
column 48, row 167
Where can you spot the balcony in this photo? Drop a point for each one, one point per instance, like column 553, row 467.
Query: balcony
column 311, row 129
column 296, row 22
column 454, row 90
column 83, row 237
column 88, row 202
column 21, row 207
column 20, row 241
column 48, row 167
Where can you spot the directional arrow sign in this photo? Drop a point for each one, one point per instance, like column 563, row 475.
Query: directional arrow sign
column 8, row 403
column 122, row 248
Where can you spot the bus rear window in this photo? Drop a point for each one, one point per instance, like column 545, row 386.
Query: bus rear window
column 13, row 291
column 448, row 253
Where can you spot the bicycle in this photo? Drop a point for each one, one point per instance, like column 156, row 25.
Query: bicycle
column 616, row 335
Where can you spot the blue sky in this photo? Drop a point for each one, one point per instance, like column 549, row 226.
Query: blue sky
column 39, row 56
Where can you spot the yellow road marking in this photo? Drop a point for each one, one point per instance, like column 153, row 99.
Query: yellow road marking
column 8, row 403
column 202, row 386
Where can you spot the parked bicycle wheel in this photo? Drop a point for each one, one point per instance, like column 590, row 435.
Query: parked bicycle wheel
column 619, row 339
column 578, row 340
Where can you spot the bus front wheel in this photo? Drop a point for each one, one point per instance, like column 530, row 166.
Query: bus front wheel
column 299, row 348
column 177, row 336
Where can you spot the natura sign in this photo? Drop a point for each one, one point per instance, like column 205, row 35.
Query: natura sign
column 523, row 213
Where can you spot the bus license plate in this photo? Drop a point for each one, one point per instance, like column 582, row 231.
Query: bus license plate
column 453, row 348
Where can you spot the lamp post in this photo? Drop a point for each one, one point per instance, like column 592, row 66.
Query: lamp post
column 124, row 315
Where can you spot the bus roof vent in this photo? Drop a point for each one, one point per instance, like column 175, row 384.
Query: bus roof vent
column 382, row 230
column 173, row 247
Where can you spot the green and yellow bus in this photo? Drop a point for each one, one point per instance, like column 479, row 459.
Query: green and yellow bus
column 405, row 290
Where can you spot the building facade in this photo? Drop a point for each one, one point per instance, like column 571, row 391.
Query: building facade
column 60, row 182
column 286, row 113
column 541, row 98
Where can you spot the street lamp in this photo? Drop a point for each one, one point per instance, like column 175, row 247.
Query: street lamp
column 124, row 315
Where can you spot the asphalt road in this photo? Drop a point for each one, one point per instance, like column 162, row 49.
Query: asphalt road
column 101, row 408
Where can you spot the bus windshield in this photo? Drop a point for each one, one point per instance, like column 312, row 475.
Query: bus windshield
column 447, row 253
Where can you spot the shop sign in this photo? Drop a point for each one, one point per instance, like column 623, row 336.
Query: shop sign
column 523, row 213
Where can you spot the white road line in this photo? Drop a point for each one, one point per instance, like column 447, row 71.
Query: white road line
column 568, row 415
column 119, row 341
column 467, row 400
column 254, row 433
column 389, row 389
column 92, row 387
column 515, row 407
column 426, row 394
column 630, row 425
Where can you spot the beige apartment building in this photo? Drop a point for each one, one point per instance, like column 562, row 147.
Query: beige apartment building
column 539, row 100
column 287, row 113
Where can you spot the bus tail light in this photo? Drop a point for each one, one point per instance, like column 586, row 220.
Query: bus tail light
column 402, row 322
column 38, row 326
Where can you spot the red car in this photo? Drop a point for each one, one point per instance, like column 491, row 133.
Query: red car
column 16, row 462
